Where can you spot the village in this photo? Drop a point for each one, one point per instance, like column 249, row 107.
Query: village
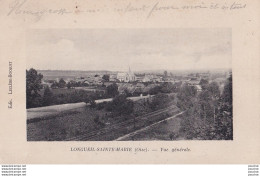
column 126, row 85
column 130, row 82
column 98, row 102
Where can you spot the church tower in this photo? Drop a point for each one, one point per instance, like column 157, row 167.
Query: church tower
column 129, row 71
column 131, row 75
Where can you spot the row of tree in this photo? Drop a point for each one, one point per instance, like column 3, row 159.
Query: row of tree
column 208, row 114
column 34, row 98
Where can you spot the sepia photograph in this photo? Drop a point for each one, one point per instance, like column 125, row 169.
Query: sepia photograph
column 128, row 84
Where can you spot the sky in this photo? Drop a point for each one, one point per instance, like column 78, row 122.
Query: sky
column 141, row 49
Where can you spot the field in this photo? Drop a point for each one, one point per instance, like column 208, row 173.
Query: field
column 68, row 74
column 65, row 125
column 66, row 91
column 167, row 130
column 91, row 124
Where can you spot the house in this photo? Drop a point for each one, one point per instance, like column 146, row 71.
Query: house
column 139, row 78
column 147, row 78
column 113, row 78
column 198, row 88
column 107, row 84
column 193, row 82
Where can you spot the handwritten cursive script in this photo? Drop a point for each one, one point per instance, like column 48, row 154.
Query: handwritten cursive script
column 17, row 7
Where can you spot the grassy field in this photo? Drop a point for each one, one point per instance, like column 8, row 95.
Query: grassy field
column 82, row 121
column 70, row 124
column 63, row 91
column 167, row 130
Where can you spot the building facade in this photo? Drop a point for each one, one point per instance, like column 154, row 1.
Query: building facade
column 126, row 76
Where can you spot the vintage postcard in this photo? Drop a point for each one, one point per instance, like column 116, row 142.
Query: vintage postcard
column 130, row 82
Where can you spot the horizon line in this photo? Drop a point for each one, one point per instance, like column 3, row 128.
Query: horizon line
column 132, row 70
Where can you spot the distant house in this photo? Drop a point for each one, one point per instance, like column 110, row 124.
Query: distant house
column 113, row 78
column 147, row 78
column 139, row 78
column 157, row 79
column 198, row 88
column 46, row 84
column 193, row 82
column 107, row 83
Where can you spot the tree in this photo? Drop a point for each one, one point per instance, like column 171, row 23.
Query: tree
column 122, row 105
column 47, row 97
column 165, row 73
column 112, row 90
column 54, row 85
column 215, row 110
column 167, row 87
column 159, row 101
column 33, row 85
column 105, row 77
column 155, row 90
column 204, row 83
column 185, row 96
column 62, row 83
column 206, row 106
column 69, row 85
column 213, row 88
column 224, row 120
column 227, row 92
column 127, row 93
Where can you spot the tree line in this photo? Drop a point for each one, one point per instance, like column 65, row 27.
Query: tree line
column 34, row 99
column 208, row 114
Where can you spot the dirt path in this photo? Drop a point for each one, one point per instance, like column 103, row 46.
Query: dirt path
column 146, row 128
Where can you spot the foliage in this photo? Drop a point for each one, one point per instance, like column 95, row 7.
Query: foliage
column 112, row 90
column 165, row 73
column 227, row 93
column 33, row 86
column 106, row 77
column 166, row 87
column 55, row 85
column 186, row 96
column 203, row 83
column 72, row 84
column 47, row 97
column 120, row 105
column 62, row 83
column 208, row 114
column 155, row 90
column 159, row 101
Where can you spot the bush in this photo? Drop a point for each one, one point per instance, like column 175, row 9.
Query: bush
column 112, row 90
column 120, row 105
column 173, row 136
column 159, row 101
column 101, row 106
column 92, row 103
column 33, row 86
column 96, row 119
column 47, row 97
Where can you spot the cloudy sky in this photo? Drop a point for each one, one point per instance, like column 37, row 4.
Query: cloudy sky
column 141, row 49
